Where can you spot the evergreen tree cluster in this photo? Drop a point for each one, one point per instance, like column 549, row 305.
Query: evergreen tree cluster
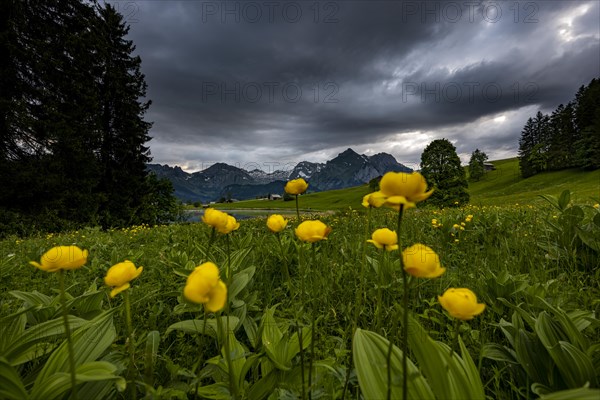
column 72, row 131
column 568, row 138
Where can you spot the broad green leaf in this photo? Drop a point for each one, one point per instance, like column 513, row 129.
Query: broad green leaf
column 575, row 366
column 19, row 351
column 239, row 281
column 11, row 387
column 564, row 199
column 89, row 342
column 370, row 360
column 216, row 391
column 264, row 386
column 449, row 377
column 11, row 328
column 54, row 386
column 251, row 330
column 152, row 342
column 584, row 393
column 496, row 352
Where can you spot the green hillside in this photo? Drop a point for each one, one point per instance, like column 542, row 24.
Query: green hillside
column 502, row 186
column 506, row 186
column 329, row 200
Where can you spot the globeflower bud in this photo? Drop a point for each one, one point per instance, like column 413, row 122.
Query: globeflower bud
column 276, row 223
column 461, row 303
column 296, row 186
column 62, row 258
column 422, row 262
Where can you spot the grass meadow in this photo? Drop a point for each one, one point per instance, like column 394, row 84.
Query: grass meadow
column 317, row 320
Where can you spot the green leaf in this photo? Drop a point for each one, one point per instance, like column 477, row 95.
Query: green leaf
column 370, row 360
column 239, row 281
column 197, row 326
column 575, row 366
column 89, row 342
column 216, row 391
column 584, row 393
column 25, row 347
column 11, row 387
column 54, row 386
column 564, row 199
column 496, row 352
column 152, row 342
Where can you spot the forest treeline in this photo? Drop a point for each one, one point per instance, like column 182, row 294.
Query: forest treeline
column 567, row 138
column 73, row 139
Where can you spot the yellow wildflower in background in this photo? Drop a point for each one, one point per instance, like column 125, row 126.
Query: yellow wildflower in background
column 384, row 239
column 62, row 257
column 119, row 275
column 203, row 286
column 230, row 225
column 422, row 262
column 461, row 303
column 373, row 200
column 401, row 188
column 596, row 206
column 276, row 223
column 296, row 186
column 215, row 218
column 312, row 231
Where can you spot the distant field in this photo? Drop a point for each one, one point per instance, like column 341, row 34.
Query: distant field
column 505, row 185
column 499, row 187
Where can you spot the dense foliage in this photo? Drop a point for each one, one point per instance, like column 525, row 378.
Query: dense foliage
column 536, row 268
column 476, row 165
column 440, row 165
column 569, row 137
column 72, row 131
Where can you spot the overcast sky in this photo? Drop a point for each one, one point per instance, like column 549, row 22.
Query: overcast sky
column 269, row 83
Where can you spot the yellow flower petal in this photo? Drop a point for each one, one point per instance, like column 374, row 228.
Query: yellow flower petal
column 296, row 186
column 217, row 298
column 119, row 289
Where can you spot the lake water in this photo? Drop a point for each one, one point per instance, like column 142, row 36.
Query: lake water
column 195, row 215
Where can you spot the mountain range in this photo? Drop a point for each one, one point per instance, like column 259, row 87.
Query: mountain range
column 222, row 180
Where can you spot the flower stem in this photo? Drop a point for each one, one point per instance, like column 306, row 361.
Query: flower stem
column 130, row 369
column 65, row 313
column 405, row 319
column 455, row 340
column 200, row 356
column 359, row 294
column 232, row 382
column 297, row 209
column 379, row 293
column 286, row 271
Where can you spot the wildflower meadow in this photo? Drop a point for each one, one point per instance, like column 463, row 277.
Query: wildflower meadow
column 386, row 300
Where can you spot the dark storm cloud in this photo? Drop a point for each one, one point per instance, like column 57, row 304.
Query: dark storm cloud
column 241, row 81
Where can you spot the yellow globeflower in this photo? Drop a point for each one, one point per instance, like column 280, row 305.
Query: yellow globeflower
column 422, row 262
column 384, row 239
column 230, row 225
column 62, row 257
column 312, row 231
column 119, row 275
column 296, row 186
column 373, row 200
column 461, row 303
column 276, row 223
column 203, row 286
column 215, row 218
column 596, row 206
column 401, row 188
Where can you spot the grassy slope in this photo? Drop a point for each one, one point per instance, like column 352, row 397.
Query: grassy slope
column 505, row 185
column 502, row 186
